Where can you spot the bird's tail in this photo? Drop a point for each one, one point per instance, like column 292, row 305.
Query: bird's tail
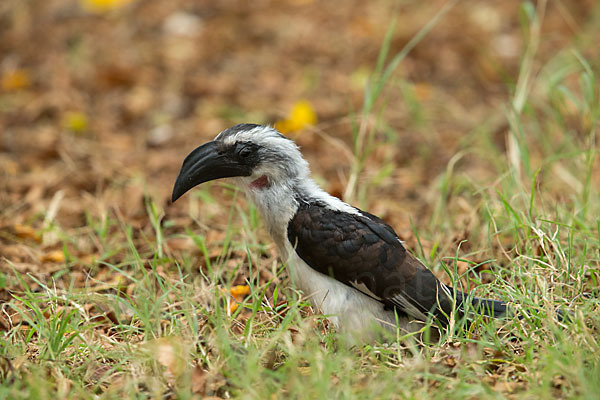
column 475, row 305
column 488, row 307
column 492, row 308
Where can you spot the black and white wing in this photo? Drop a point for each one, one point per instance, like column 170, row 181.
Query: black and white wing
column 364, row 252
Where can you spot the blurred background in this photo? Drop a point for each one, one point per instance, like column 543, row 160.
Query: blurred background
column 100, row 100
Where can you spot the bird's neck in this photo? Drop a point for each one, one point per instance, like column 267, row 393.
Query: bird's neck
column 279, row 202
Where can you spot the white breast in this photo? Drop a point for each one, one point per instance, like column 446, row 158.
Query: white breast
column 348, row 309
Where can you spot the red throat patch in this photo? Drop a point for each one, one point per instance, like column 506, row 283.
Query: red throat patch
column 260, row 183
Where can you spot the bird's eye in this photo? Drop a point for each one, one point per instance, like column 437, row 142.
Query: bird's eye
column 245, row 152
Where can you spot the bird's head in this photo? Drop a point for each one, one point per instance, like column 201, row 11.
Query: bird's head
column 258, row 156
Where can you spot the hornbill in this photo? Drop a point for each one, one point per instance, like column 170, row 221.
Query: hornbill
column 348, row 262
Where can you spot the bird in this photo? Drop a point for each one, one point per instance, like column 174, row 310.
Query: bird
column 350, row 264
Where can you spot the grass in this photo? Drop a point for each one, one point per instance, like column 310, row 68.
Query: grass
column 148, row 322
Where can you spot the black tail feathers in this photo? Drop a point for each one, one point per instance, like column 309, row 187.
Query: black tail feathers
column 493, row 308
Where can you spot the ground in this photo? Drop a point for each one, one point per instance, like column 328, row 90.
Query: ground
column 470, row 127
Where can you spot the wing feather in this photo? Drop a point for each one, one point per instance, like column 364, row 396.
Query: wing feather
column 365, row 253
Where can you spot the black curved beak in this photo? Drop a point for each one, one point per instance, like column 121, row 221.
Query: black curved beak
column 206, row 163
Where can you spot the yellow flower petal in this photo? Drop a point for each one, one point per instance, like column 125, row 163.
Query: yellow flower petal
column 102, row 6
column 75, row 121
column 301, row 115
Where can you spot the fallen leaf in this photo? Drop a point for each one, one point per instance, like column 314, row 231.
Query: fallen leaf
column 180, row 243
column 89, row 258
column 26, row 232
column 207, row 383
column 10, row 167
column 232, row 305
column 165, row 353
column 198, row 380
column 15, row 79
column 97, row 371
column 240, row 291
column 55, row 256
column 423, row 91
column 170, row 353
column 4, row 324
column 237, row 296
column 506, row 386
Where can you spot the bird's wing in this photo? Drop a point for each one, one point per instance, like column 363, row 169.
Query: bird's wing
column 364, row 252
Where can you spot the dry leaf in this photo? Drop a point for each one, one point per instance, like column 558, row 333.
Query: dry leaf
column 165, row 353
column 198, row 380
column 232, row 305
column 26, row 232
column 96, row 371
column 55, row 256
column 423, row 91
column 237, row 296
column 170, row 353
column 4, row 323
column 506, row 386
column 89, row 258
column 240, row 291
column 15, row 79
column 207, row 383
column 180, row 243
